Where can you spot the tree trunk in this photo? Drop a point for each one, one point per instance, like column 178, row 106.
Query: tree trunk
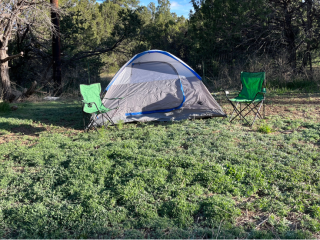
column 56, row 48
column 5, row 79
column 290, row 38
column 309, row 31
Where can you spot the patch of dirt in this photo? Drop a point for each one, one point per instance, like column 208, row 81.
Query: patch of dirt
column 294, row 100
column 300, row 107
column 18, row 169
column 11, row 137
column 295, row 112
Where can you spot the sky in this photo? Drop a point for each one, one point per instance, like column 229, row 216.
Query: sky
column 180, row 7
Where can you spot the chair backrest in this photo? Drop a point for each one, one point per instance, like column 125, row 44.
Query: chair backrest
column 90, row 94
column 251, row 84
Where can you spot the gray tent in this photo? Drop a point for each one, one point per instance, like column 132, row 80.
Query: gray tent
column 158, row 86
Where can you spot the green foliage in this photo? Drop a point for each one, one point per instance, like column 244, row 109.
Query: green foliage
column 295, row 84
column 4, row 107
column 265, row 128
column 219, row 208
column 120, row 124
column 315, row 210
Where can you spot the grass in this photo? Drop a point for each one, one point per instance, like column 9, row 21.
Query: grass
column 4, row 107
column 191, row 179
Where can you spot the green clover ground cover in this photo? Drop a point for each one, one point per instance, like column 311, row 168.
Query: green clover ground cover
column 190, row 179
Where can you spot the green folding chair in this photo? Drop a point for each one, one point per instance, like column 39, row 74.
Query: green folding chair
column 92, row 104
column 252, row 95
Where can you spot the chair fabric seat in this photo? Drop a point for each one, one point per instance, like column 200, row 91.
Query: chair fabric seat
column 259, row 98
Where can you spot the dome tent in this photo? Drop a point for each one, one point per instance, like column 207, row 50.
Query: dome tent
column 158, row 86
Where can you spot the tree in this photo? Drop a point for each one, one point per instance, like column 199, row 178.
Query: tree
column 256, row 27
column 56, row 48
column 164, row 30
column 19, row 15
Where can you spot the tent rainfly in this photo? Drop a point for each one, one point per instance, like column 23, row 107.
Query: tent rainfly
column 158, row 86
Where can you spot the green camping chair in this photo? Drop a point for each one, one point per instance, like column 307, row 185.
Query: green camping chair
column 252, row 95
column 93, row 105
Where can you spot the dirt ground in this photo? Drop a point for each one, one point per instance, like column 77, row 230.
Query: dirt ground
column 292, row 107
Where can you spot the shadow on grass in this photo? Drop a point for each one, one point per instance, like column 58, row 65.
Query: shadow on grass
column 37, row 227
column 62, row 114
column 24, row 129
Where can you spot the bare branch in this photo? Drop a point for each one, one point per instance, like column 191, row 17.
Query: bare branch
column 96, row 52
column 11, row 57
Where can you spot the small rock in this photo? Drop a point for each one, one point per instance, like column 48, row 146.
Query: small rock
column 13, row 108
column 51, row 98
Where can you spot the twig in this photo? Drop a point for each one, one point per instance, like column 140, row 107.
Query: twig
column 219, row 229
column 262, row 222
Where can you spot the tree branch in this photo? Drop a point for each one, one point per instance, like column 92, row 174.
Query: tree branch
column 11, row 57
column 98, row 51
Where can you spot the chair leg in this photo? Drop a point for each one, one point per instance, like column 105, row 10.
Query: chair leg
column 84, row 121
column 234, row 109
column 258, row 110
column 252, row 109
column 110, row 121
column 91, row 124
column 239, row 113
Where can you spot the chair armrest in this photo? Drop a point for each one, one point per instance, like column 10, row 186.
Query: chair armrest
column 226, row 93
column 263, row 91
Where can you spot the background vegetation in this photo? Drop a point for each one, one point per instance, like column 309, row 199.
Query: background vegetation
column 219, row 39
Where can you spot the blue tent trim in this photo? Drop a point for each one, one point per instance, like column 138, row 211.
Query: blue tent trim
column 154, row 51
column 161, row 110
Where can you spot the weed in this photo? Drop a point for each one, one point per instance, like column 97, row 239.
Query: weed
column 102, row 131
column 265, row 128
column 120, row 124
